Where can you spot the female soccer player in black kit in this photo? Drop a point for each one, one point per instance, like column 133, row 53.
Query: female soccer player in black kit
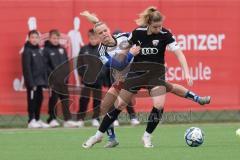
column 153, row 40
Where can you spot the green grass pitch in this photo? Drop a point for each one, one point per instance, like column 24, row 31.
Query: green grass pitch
column 220, row 143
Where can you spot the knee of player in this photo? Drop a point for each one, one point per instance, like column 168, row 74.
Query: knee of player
column 170, row 87
column 159, row 107
column 120, row 105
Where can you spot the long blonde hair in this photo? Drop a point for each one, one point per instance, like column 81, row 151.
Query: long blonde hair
column 149, row 15
column 91, row 17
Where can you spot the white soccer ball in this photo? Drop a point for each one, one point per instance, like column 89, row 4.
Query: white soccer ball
column 238, row 132
column 194, row 137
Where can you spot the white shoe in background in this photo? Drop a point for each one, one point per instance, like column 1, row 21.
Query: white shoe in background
column 80, row 123
column 116, row 123
column 43, row 124
column 135, row 122
column 54, row 123
column 33, row 124
column 95, row 123
column 70, row 124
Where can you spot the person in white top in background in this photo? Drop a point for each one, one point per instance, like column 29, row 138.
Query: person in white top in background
column 76, row 42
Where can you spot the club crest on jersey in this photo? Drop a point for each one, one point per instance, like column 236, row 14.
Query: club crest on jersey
column 155, row 42
column 61, row 51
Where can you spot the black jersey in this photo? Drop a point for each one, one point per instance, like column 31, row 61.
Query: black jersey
column 152, row 46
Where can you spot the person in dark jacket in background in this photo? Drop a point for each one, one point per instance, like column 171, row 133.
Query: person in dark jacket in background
column 56, row 55
column 87, row 89
column 35, row 76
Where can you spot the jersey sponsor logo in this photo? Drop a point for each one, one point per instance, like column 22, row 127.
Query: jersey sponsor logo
column 52, row 54
column 147, row 51
column 155, row 42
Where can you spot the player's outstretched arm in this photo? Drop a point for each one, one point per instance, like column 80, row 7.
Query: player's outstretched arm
column 121, row 64
column 182, row 60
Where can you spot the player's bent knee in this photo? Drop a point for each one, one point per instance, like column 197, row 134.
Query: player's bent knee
column 120, row 104
column 158, row 91
column 158, row 107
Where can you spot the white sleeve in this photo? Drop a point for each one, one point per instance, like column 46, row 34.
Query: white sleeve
column 104, row 59
column 173, row 46
column 102, row 55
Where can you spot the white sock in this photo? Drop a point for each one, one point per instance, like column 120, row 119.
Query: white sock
column 146, row 134
column 99, row 134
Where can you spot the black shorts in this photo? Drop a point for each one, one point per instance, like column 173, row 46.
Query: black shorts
column 147, row 78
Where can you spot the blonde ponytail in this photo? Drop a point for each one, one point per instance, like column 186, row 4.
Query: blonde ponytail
column 151, row 14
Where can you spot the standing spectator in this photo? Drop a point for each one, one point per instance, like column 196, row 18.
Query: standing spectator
column 87, row 89
column 35, row 76
column 32, row 25
column 56, row 55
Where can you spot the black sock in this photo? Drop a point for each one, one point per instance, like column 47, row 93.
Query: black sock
column 192, row 96
column 153, row 119
column 108, row 119
column 131, row 111
column 111, row 133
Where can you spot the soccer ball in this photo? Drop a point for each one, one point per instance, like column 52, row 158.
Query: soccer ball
column 194, row 137
column 238, row 132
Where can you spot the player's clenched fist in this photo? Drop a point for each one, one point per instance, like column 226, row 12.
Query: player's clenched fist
column 135, row 50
